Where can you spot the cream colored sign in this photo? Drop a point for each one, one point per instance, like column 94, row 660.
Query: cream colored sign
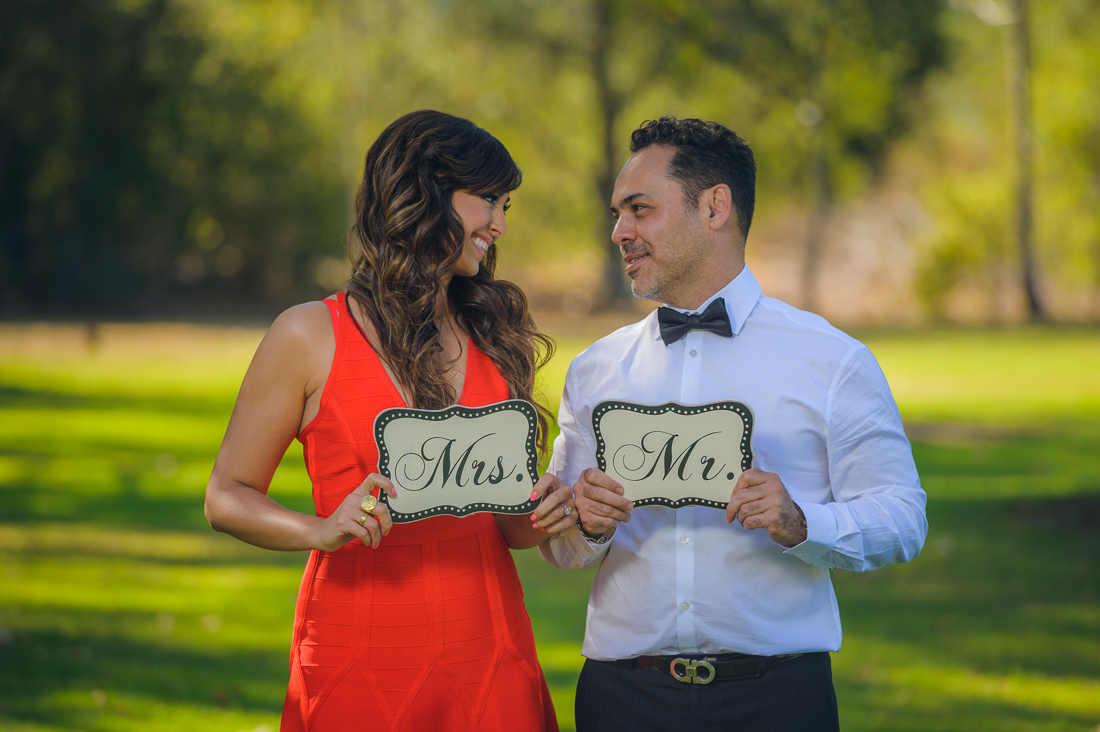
column 674, row 454
column 459, row 460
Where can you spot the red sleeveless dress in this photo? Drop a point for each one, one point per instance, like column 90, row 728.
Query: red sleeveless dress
column 429, row 630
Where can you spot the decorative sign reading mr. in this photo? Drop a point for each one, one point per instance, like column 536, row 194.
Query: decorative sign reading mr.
column 459, row 460
column 673, row 454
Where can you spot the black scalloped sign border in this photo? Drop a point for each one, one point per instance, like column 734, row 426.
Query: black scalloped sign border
column 740, row 408
column 518, row 405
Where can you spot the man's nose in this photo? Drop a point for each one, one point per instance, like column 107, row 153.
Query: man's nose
column 623, row 233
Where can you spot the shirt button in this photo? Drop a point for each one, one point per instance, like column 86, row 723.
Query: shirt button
column 685, row 605
column 693, row 353
column 684, row 540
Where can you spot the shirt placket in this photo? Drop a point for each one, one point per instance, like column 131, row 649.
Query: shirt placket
column 690, row 393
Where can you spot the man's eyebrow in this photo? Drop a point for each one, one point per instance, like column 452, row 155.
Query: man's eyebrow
column 623, row 203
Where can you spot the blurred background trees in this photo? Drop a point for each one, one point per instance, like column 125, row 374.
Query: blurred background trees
column 138, row 163
column 186, row 155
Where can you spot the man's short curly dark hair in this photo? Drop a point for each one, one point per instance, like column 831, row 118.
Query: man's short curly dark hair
column 707, row 154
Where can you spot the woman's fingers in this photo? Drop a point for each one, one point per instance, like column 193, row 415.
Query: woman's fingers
column 382, row 515
column 546, row 482
column 352, row 521
column 560, row 520
column 365, row 529
column 556, row 511
column 374, row 531
column 375, row 480
column 340, row 528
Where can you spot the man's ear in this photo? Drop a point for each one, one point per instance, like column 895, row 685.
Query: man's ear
column 718, row 203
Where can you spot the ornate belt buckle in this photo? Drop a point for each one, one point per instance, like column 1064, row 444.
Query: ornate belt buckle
column 690, row 673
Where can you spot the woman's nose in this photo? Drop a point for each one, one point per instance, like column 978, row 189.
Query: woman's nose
column 499, row 224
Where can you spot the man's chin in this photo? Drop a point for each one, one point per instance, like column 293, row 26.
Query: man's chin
column 644, row 291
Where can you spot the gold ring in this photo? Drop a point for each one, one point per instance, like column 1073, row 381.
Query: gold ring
column 368, row 503
column 363, row 519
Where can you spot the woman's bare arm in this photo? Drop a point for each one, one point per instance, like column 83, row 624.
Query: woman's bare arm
column 280, row 394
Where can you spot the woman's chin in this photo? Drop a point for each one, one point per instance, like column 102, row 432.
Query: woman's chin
column 465, row 269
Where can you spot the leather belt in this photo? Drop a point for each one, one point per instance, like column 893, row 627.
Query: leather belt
column 705, row 669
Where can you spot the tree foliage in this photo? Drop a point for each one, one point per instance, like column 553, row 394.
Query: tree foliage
column 969, row 171
column 154, row 149
column 135, row 163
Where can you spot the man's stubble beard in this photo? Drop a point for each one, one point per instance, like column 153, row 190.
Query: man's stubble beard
column 673, row 275
column 653, row 292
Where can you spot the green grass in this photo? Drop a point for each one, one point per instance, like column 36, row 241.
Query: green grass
column 121, row 610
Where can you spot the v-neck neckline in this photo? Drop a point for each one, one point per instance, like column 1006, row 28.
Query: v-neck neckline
column 381, row 362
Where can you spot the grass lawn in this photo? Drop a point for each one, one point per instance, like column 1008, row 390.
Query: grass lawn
column 121, row 610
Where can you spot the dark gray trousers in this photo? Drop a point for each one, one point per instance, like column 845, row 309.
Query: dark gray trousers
column 795, row 696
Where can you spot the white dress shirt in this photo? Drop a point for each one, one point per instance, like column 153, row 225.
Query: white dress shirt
column 685, row 581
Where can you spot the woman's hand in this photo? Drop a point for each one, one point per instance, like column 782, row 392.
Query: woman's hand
column 349, row 521
column 556, row 511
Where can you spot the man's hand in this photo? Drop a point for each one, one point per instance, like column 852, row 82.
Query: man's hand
column 600, row 502
column 760, row 501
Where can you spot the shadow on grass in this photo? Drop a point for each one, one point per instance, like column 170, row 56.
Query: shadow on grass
column 968, row 451
column 1001, row 586
column 20, row 503
column 899, row 710
column 40, row 664
column 131, row 495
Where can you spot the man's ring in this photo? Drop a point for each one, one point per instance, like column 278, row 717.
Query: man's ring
column 568, row 510
column 368, row 503
column 363, row 519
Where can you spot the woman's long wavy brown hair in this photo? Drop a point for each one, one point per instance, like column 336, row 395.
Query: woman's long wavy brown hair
column 407, row 235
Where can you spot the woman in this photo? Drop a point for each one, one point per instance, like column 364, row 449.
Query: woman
column 417, row 626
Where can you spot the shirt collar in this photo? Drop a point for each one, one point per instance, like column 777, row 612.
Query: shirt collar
column 741, row 296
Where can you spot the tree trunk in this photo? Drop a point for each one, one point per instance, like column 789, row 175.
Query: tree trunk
column 1024, row 220
column 616, row 291
column 821, row 201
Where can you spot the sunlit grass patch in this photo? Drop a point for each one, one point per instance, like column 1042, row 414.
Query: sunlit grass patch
column 992, row 376
column 98, row 709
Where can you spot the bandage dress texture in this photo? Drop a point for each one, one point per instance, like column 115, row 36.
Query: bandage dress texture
column 428, row 631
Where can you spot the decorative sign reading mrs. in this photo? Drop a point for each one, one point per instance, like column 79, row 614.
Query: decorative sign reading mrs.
column 459, row 460
column 673, row 454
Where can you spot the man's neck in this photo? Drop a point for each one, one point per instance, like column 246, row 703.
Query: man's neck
column 693, row 298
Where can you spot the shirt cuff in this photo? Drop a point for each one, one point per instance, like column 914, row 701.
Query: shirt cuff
column 821, row 535
column 586, row 548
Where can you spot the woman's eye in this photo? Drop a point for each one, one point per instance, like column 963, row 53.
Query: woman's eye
column 491, row 198
column 507, row 206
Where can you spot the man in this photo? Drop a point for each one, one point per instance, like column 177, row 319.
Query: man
column 745, row 592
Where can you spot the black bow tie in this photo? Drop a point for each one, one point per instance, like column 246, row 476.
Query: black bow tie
column 675, row 325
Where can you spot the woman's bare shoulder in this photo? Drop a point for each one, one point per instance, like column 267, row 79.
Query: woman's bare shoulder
column 301, row 340
column 308, row 324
